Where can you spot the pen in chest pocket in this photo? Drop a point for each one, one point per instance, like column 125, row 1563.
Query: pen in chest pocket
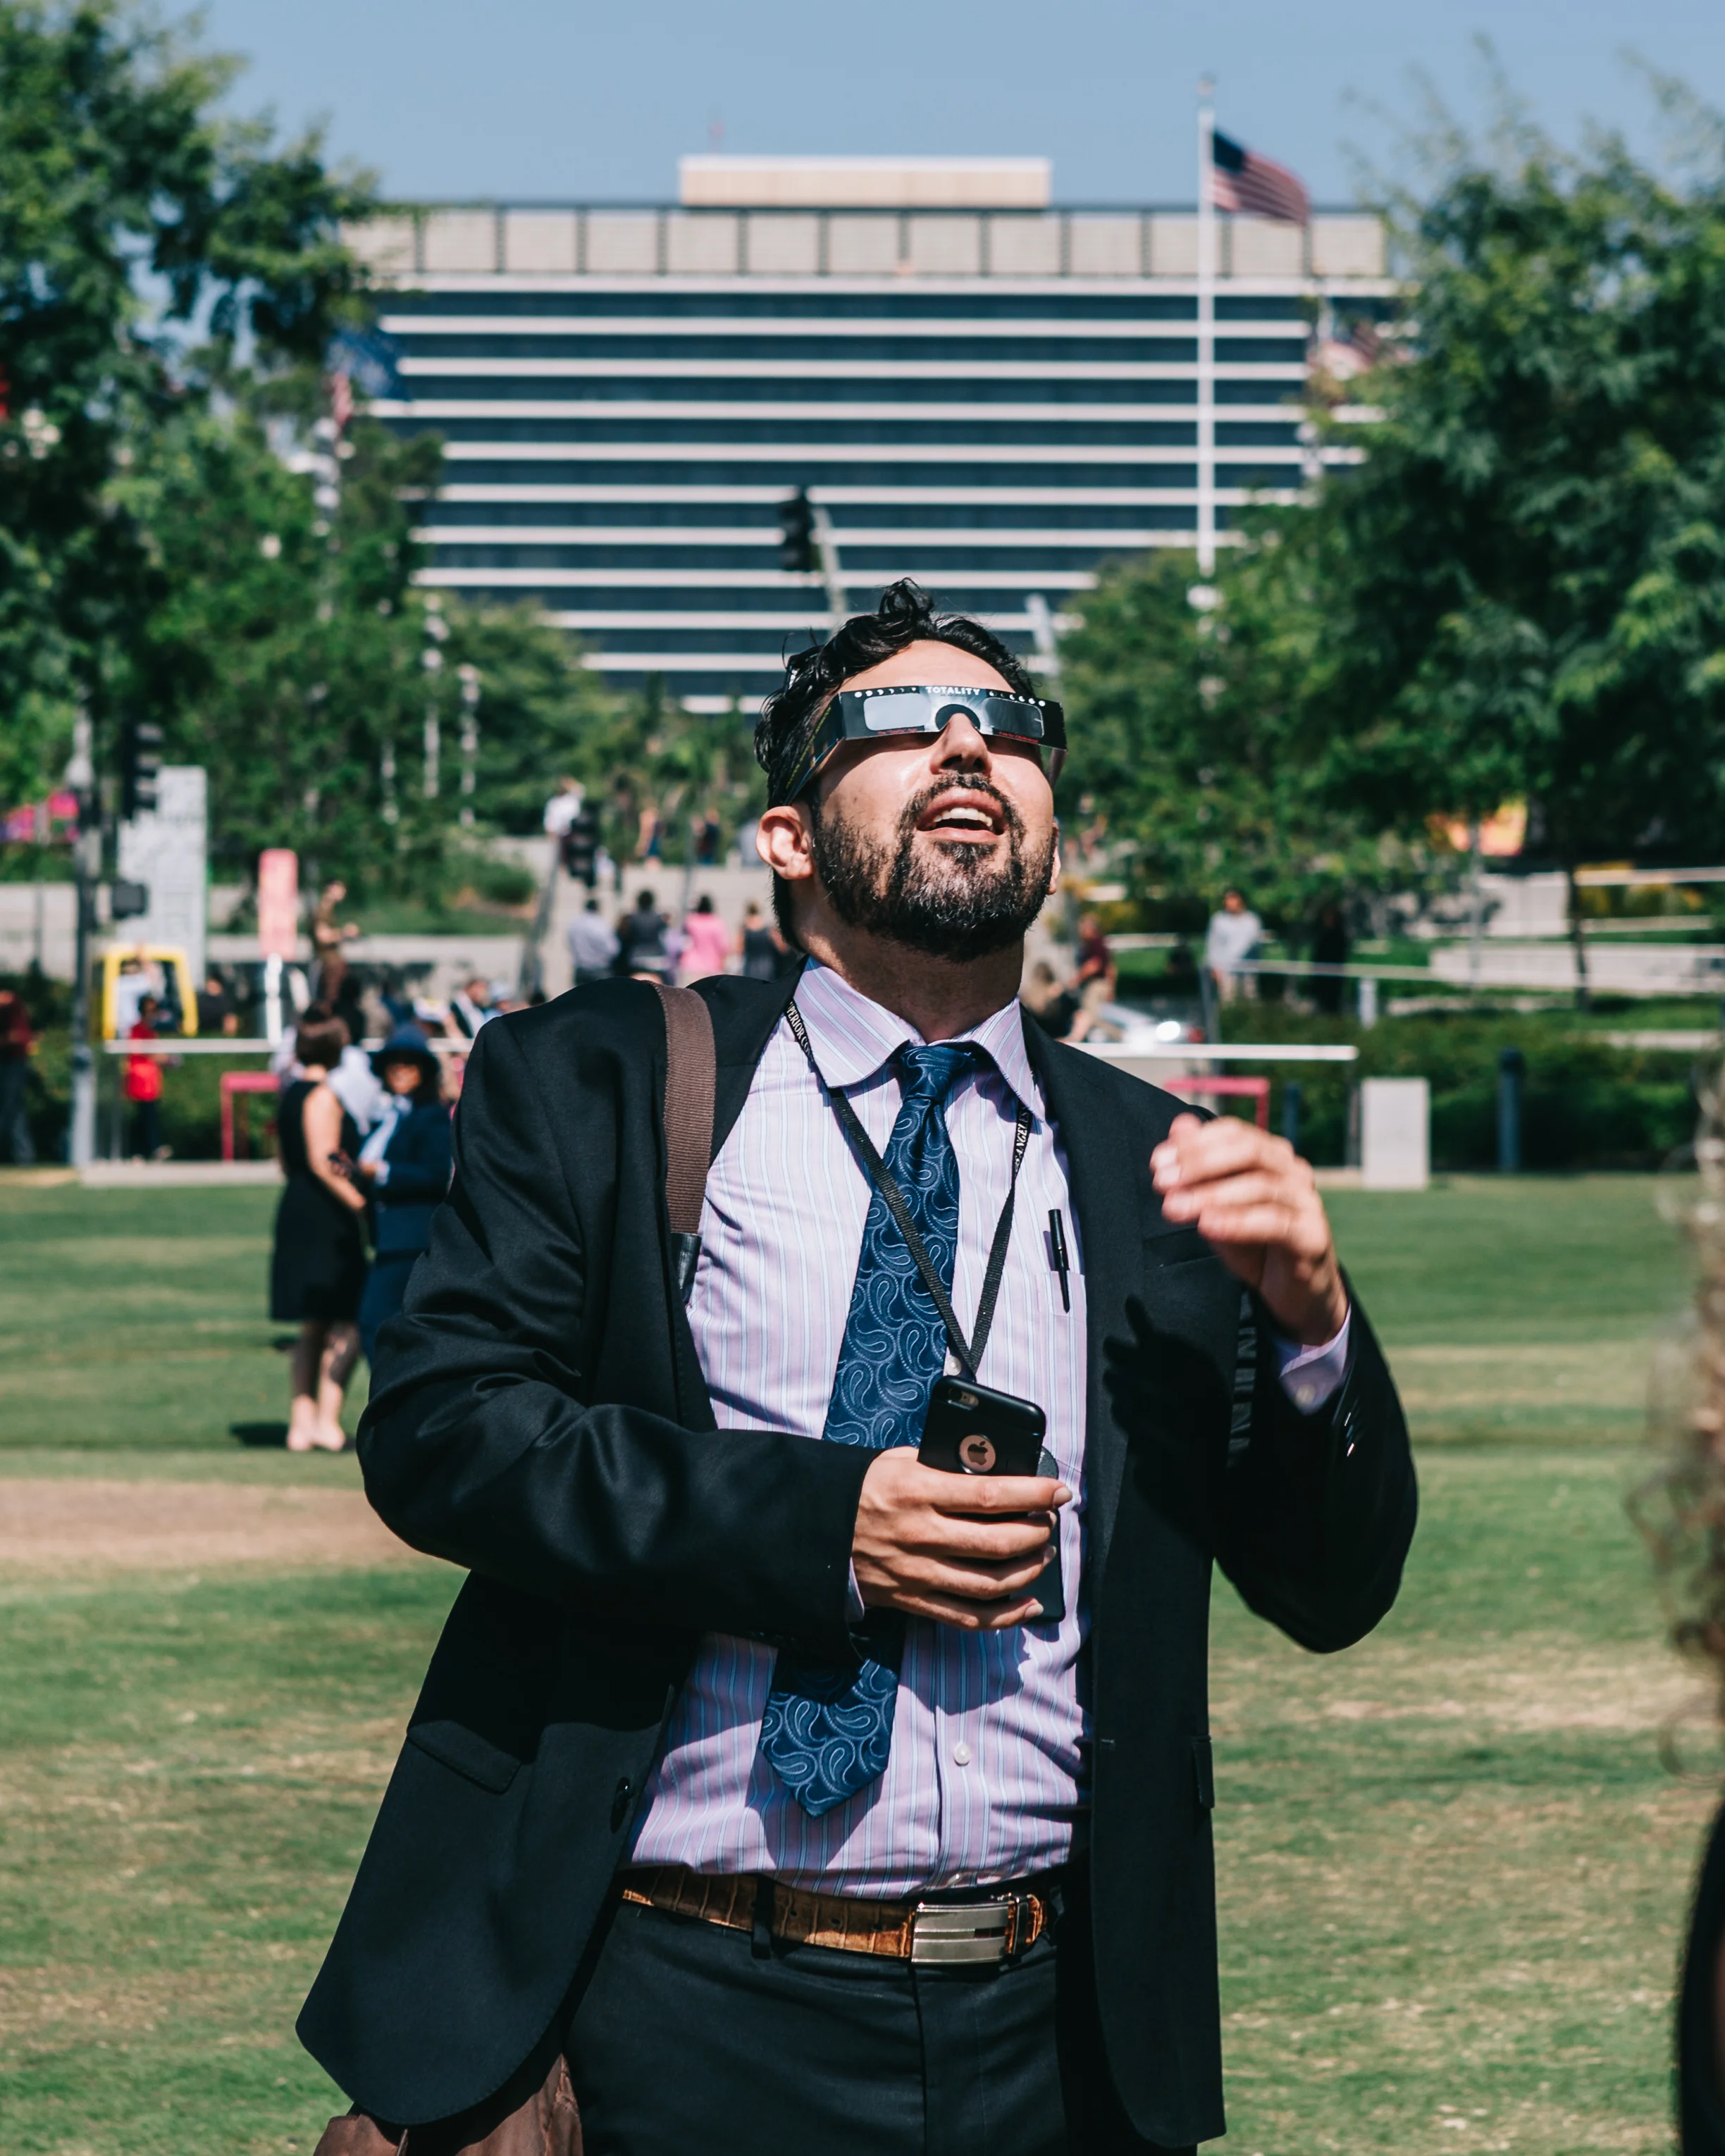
column 1057, row 1258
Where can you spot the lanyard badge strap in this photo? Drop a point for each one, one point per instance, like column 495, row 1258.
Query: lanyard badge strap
column 969, row 1352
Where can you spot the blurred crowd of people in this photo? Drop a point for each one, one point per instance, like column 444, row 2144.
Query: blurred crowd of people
column 645, row 944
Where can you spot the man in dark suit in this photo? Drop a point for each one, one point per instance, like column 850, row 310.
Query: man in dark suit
column 770, row 1790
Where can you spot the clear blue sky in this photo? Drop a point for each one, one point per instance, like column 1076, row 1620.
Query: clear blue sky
column 568, row 100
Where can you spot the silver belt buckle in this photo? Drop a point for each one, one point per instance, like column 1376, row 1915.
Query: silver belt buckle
column 959, row 1931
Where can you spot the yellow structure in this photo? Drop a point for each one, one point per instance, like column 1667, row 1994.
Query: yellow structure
column 178, row 991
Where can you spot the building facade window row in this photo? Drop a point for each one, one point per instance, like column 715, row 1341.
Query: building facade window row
column 621, row 434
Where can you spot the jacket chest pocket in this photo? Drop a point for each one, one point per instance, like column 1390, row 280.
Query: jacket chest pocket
column 466, row 1754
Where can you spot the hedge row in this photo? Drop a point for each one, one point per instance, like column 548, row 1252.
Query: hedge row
column 1585, row 1103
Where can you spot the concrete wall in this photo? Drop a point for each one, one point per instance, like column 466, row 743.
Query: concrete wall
column 38, row 924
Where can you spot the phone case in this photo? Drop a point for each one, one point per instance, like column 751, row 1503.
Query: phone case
column 970, row 1430
column 961, row 1413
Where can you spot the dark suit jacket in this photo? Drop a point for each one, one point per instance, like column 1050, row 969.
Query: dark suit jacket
column 538, row 1417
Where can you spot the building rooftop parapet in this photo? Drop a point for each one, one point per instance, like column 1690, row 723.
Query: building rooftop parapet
column 911, row 239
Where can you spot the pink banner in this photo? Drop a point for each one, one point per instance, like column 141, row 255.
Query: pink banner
column 279, row 901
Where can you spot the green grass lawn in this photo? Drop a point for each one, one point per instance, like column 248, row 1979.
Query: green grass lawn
column 1452, row 1869
column 138, row 1319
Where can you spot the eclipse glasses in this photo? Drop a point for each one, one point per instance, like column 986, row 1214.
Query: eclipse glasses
column 861, row 715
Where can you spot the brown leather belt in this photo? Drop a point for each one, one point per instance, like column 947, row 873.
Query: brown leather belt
column 930, row 1930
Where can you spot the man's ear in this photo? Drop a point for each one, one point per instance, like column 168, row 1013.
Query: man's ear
column 786, row 842
column 1054, row 865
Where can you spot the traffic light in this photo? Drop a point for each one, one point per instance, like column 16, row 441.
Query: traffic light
column 140, row 767
column 795, row 526
column 581, row 846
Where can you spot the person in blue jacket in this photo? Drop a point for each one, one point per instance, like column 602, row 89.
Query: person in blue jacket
column 405, row 1164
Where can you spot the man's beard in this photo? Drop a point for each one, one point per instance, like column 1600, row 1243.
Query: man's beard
column 966, row 903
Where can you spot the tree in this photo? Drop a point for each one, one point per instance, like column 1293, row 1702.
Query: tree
column 542, row 711
column 283, row 648
column 1524, row 578
column 129, row 211
column 1187, row 729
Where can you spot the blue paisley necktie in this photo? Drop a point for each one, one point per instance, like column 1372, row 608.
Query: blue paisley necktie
column 826, row 1733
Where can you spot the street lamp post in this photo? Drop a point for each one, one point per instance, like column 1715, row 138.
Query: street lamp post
column 436, row 630
column 87, row 865
column 470, row 678
column 1206, row 330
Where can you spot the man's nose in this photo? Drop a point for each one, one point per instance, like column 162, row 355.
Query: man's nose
column 961, row 747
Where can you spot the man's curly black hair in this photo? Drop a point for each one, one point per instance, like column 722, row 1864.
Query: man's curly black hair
column 905, row 615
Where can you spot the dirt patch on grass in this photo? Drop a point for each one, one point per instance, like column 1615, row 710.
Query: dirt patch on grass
column 100, row 1527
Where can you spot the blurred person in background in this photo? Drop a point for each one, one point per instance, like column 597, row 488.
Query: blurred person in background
column 17, row 1045
column 140, row 976
column 1096, row 961
column 1179, row 976
column 405, row 1165
column 1231, row 941
column 762, row 946
column 329, row 940
column 473, row 1007
column 564, row 806
column 1329, row 947
column 592, row 944
column 318, row 1271
column 706, row 943
column 1054, row 1007
column 355, row 1083
column 640, row 937
column 217, row 1011
column 143, row 1085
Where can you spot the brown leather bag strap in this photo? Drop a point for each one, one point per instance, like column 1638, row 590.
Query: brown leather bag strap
column 691, row 1076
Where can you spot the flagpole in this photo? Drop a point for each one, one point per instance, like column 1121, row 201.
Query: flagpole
column 1206, row 328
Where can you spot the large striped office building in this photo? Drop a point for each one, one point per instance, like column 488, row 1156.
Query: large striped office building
column 982, row 389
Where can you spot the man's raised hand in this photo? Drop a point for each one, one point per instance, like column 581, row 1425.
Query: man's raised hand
column 1253, row 1198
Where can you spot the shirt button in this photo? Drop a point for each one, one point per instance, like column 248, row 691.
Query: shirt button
column 961, row 1754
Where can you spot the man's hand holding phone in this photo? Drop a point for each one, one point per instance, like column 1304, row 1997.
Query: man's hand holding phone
column 958, row 1548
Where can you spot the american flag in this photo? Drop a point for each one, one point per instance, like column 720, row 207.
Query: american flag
column 1252, row 185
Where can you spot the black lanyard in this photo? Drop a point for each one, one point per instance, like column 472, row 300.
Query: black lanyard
column 969, row 1352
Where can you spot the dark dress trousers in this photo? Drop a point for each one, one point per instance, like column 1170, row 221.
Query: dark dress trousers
column 538, row 1417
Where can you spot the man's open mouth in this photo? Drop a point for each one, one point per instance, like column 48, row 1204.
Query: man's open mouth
column 962, row 814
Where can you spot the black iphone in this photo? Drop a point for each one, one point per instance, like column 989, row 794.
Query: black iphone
column 971, row 1429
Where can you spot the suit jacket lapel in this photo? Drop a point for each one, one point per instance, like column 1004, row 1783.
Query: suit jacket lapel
column 744, row 1015
column 1104, row 1179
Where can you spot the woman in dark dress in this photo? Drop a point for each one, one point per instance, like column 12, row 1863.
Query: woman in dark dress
column 317, row 1272
column 405, row 1163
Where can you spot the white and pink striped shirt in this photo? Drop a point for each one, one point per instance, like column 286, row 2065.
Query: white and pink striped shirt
column 990, row 1768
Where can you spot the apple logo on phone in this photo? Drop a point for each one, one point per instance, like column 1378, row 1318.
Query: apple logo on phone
column 976, row 1455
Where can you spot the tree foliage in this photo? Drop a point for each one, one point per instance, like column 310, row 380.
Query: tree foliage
column 1188, row 724
column 1517, row 590
column 132, row 216
column 1524, row 577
